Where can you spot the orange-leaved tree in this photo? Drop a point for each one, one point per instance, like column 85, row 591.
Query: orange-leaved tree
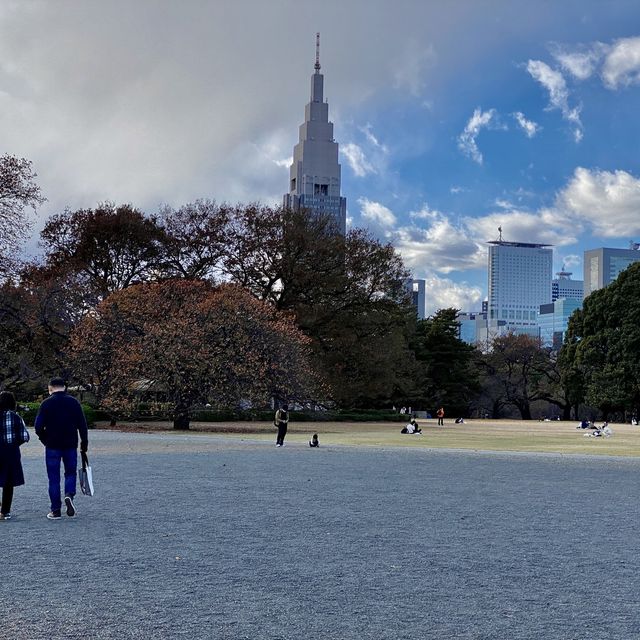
column 191, row 343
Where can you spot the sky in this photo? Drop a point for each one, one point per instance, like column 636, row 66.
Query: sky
column 453, row 117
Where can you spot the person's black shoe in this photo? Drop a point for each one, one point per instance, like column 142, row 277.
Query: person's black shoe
column 71, row 509
column 54, row 515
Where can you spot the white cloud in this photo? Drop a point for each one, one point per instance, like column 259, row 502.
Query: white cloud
column 443, row 293
column 426, row 213
column 528, row 126
column 619, row 62
column 608, row 201
column 546, row 226
column 372, row 139
column 283, row 162
column 622, row 64
column 571, row 260
column 504, row 204
column 553, row 81
column 376, row 213
column 467, row 139
column 357, row 159
column 580, row 64
column 457, row 189
column 434, row 243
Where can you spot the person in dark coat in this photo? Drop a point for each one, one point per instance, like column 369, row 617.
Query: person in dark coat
column 58, row 423
column 13, row 434
column 281, row 420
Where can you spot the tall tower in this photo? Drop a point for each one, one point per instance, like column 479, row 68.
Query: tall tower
column 519, row 282
column 314, row 176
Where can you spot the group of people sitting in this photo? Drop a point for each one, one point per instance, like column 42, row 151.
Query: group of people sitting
column 412, row 427
column 596, row 432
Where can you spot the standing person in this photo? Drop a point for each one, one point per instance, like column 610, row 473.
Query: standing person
column 58, row 423
column 13, row 433
column 281, row 420
column 440, row 414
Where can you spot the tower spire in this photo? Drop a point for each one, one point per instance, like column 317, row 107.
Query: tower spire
column 317, row 65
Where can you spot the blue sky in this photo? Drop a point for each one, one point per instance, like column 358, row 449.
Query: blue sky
column 453, row 118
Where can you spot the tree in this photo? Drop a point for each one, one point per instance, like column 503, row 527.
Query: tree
column 111, row 247
column 447, row 373
column 520, row 367
column 347, row 294
column 195, row 239
column 289, row 258
column 18, row 190
column 36, row 317
column 192, row 343
column 601, row 349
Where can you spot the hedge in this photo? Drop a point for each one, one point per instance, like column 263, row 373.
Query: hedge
column 29, row 410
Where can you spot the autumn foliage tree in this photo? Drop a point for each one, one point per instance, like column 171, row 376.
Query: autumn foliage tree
column 346, row 292
column 18, row 190
column 195, row 239
column 37, row 313
column 193, row 343
column 111, row 247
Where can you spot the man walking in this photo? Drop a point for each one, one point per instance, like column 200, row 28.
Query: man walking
column 58, row 423
column 440, row 414
column 281, row 420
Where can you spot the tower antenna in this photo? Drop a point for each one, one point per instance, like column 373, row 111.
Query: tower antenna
column 317, row 65
column 500, row 232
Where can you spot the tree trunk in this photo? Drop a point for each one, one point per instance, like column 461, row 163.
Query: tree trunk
column 181, row 418
column 525, row 411
column 566, row 412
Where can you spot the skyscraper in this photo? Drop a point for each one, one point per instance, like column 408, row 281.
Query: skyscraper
column 602, row 266
column 519, row 282
column 314, row 176
column 417, row 289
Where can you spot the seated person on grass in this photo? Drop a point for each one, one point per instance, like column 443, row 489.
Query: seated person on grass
column 412, row 427
column 314, row 442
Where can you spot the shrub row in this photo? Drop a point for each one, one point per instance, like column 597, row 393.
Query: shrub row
column 93, row 415
column 29, row 410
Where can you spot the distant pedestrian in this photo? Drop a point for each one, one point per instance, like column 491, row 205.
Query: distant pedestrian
column 13, row 434
column 314, row 442
column 281, row 420
column 440, row 414
column 58, row 423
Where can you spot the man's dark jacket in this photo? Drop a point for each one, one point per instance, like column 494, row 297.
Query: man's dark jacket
column 59, row 420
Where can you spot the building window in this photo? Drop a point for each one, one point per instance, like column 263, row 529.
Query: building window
column 320, row 189
column 293, row 184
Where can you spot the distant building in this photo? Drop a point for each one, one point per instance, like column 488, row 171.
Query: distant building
column 418, row 292
column 564, row 287
column 314, row 176
column 602, row 266
column 519, row 282
column 472, row 326
column 553, row 320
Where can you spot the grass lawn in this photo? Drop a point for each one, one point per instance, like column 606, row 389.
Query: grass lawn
column 482, row 435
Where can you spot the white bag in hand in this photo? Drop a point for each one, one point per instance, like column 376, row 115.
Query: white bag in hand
column 85, row 476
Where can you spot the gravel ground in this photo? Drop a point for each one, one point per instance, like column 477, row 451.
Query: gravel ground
column 211, row 537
